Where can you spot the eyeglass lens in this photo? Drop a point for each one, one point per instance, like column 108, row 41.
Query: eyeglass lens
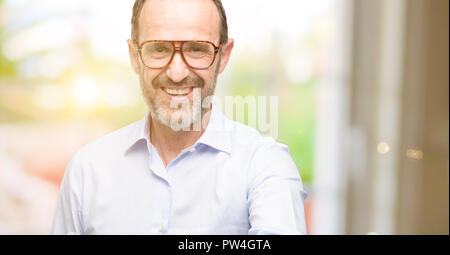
column 196, row 54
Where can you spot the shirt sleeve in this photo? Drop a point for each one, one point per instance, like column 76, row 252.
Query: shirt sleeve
column 275, row 193
column 68, row 217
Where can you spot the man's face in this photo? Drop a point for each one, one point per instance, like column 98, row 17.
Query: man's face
column 178, row 20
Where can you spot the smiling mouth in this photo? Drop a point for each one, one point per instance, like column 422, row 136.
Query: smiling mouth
column 178, row 92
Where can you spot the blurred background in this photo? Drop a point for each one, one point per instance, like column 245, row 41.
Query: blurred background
column 362, row 87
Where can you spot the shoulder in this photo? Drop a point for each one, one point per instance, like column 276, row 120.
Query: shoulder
column 108, row 146
column 247, row 137
column 269, row 154
column 267, row 160
column 259, row 150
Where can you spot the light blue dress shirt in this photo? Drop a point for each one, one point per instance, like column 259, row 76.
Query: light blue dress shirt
column 231, row 181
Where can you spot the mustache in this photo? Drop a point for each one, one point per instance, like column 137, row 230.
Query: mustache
column 192, row 80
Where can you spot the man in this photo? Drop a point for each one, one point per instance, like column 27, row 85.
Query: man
column 179, row 170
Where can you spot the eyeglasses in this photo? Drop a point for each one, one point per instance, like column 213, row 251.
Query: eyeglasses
column 158, row 54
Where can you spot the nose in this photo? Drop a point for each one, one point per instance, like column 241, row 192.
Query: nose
column 177, row 70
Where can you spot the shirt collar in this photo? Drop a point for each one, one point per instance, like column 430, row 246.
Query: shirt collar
column 217, row 134
column 140, row 132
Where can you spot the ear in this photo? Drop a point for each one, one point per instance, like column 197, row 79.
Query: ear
column 134, row 56
column 225, row 54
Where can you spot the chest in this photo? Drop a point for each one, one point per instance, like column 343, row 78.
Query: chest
column 198, row 195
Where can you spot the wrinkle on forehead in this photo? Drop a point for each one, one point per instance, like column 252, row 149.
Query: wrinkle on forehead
column 179, row 20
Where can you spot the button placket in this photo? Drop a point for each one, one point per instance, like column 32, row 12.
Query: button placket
column 165, row 211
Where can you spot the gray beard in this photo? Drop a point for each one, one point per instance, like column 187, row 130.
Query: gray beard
column 187, row 113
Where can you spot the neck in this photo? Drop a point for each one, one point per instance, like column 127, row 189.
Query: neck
column 170, row 143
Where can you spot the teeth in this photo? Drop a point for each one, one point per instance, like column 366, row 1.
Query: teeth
column 178, row 92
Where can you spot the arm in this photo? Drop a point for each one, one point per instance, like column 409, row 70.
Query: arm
column 68, row 218
column 275, row 193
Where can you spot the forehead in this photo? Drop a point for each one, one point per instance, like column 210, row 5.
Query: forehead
column 179, row 20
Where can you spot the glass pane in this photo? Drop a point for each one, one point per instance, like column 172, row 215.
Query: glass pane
column 198, row 50
column 156, row 54
column 199, row 55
